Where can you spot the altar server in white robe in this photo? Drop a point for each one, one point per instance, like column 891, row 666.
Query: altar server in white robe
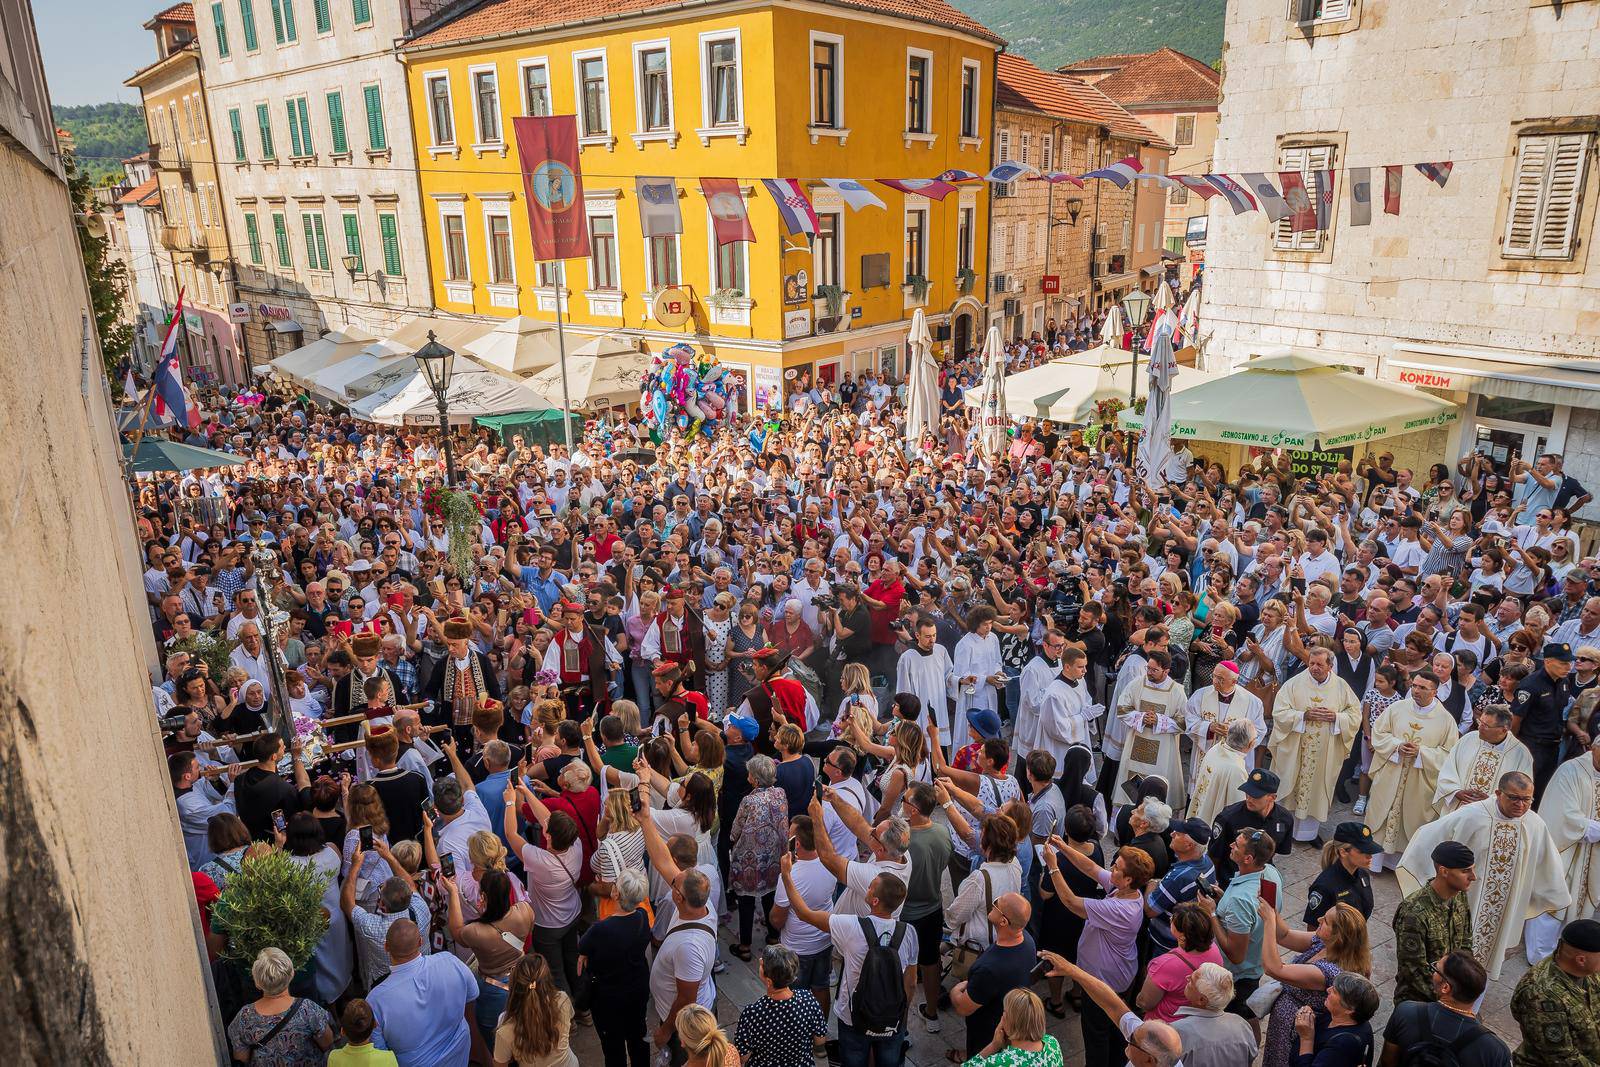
column 1151, row 711
column 1065, row 711
column 1314, row 719
column 980, row 673
column 1037, row 674
column 1519, row 871
column 1213, row 709
column 927, row 673
column 1479, row 759
column 1410, row 742
column 1571, row 810
column 1222, row 772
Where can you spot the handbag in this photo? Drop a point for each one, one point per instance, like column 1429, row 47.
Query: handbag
column 961, row 955
column 1260, row 1002
column 1264, row 691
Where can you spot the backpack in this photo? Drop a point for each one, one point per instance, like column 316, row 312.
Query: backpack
column 878, row 1004
column 1435, row 1051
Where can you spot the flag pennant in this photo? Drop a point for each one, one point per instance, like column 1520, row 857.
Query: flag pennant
column 1361, row 196
column 552, row 186
column 1160, row 179
column 1302, row 210
column 1234, row 192
column 1267, row 196
column 932, row 188
column 853, row 192
column 659, row 215
column 1119, row 173
column 1005, row 172
column 1323, row 186
column 794, row 207
column 1056, row 177
column 1391, row 189
column 957, row 175
column 1438, row 173
column 730, row 221
column 1197, row 184
column 171, row 400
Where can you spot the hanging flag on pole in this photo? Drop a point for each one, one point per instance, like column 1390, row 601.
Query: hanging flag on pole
column 1267, row 196
column 730, row 221
column 1196, row 184
column 1322, row 187
column 854, row 193
column 794, row 207
column 658, row 207
column 552, row 184
column 1236, row 194
column 1438, row 173
column 959, row 175
column 1005, row 172
column 932, row 188
column 1391, row 189
column 1302, row 210
column 1361, row 196
column 169, row 399
column 1119, row 173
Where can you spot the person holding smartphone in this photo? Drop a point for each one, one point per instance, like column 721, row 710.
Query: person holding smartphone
column 1236, row 919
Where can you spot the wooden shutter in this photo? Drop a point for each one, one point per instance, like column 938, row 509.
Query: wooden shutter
column 295, row 148
column 324, row 16
column 1334, row 11
column 377, row 139
column 362, row 11
column 352, row 239
column 1307, row 159
column 1546, row 196
column 336, row 122
column 388, row 228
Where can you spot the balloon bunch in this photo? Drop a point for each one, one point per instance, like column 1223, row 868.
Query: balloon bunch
column 249, row 400
column 682, row 392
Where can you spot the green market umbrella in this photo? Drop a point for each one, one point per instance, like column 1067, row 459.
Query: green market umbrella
column 160, row 454
column 542, row 427
column 1293, row 400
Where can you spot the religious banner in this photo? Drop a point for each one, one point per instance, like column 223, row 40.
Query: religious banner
column 658, row 207
column 552, row 184
column 1391, row 189
column 1361, row 196
column 730, row 221
column 853, row 192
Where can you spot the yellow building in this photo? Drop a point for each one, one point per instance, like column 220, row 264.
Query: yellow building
column 775, row 89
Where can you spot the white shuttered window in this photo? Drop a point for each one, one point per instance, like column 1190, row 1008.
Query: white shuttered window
column 1546, row 195
column 1306, row 159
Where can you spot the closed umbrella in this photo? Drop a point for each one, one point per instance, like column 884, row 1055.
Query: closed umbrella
column 1155, row 447
column 1163, row 296
column 922, row 385
column 1111, row 331
column 992, row 418
column 1189, row 317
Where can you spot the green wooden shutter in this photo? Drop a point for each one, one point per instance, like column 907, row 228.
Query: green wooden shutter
column 377, row 139
column 389, row 228
column 352, row 239
column 324, row 16
column 280, row 233
column 247, row 16
column 236, row 127
column 288, row 20
column 295, row 149
column 252, row 230
column 219, row 23
column 277, row 21
column 322, row 240
column 336, row 122
column 264, row 121
column 362, row 10
column 305, row 126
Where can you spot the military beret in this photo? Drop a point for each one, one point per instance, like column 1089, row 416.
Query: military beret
column 1583, row 935
column 1453, row 855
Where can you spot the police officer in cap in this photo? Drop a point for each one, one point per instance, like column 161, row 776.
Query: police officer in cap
column 1346, row 873
column 1259, row 810
column 1539, row 712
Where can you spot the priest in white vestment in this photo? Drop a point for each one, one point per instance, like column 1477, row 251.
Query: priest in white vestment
column 1410, row 742
column 980, row 673
column 1519, row 871
column 1213, row 709
column 1223, row 771
column 1479, row 759
column 1037, row 674
column 1571, row 810
column 927, row 673
column 1065, row 711
column 1314, row 719
column 1151, row 711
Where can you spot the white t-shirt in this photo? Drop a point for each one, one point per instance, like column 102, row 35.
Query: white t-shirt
column 816, row 884
column 858, row 879
column 851, row 942
column 553, row 884
column 473, row 819
column 688, row 956
column 854, row 794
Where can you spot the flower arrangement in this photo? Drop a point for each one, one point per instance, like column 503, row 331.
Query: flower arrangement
column 1106, row 410
column 462, row 514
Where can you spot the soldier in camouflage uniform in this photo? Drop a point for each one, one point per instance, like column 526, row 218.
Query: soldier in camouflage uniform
column 1433, row 922
column 1557, row 1003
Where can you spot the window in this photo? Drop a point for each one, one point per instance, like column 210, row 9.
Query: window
column 552, row 275
column 377, row 138
column 280, row 237
column 535, row 89
column 965, row 225
column 1320, row 10
column 341, row 143
column 1180, row 195
column 283, row 30
column 1127, row 234
column 916, row 243
column 389, row 233
column 1025, row 149
column 236, row 128
column 299, row 127
column 1047, row 161
column 264, row 124
column 1306, row 159
column 603, row 251
column 361, row 12
column 661, row 260
column 1022, row 244
column 730, row 273
column 455, row 248
column 316, row 241
column 722, row 82
column 444, row 127
column 1003, row 154
column 592, row 96
column 324, row 15
column 352, row 240
column 969, row 99
column 826, row 255
column 219, row 26
column 247, row 16
column 1183, row 132
column 1546, row 196
column 919, row 72
column 252, row 234
column 486, row 105
column 501, row 269
column 655, row 89
column 825, row 82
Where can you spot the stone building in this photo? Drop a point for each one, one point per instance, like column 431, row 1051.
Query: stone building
column 103, row 961
column 1487, row 290
column 1055, row 122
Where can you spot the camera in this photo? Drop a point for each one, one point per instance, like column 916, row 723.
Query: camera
column 824, row 601
column 972, row 562
column 172, row 723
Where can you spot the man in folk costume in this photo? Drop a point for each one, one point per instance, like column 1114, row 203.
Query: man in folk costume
column 980, row 673
column 1151, row 710
column 926, row 672
column 1065, row 711
column 673, row 697
column 1410, row 742
column 1571, row 811
column 1223, row 771
column 1312, row 719
column 350, row 692
column 1037, row 674
column 582, row 657
column 676, row 636
column 460, row 682
column 1519, row 871
column 1479, row 759
column 1216, row 707
column 774, row 700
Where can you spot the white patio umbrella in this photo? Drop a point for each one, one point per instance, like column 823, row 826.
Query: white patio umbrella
column 1163, row 297
column 604, row 371
column 992, row 417
column 1068, row 390
column 338, row 382
column 518, row 345
column 474, row 391
column 1111, row 330
column 922, row 381
column 335, row 347
column 1155, row 446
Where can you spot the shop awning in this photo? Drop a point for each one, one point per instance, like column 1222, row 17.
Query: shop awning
column 1430, row 367
column 287, row 326
column 1153, row 268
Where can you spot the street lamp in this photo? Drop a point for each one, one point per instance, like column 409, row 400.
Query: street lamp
column 1136, row 305
column 437, row 363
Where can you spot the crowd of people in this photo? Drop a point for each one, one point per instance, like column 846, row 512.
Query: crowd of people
column 971, row 741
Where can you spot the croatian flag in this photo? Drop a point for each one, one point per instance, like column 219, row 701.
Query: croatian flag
column 794, row 207
column 1119, row 173
column 1236, row 194
column 958, row 175
column 171, row 399
column 1197, row 185
column 1438, row 173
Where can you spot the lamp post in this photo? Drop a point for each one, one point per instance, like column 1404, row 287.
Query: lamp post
column 1135, row 306
column 438, row 363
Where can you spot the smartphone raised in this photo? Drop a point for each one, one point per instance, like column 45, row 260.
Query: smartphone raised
column 366, row 838
column 635, row 801
column 447, row 865
column 819, row 785
column 279, row 823
column 1040, row 972
column 1269, row 892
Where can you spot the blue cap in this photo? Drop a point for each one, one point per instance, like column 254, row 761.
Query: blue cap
column 746, row 725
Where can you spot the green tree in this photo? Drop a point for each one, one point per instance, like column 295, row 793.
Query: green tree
column 108, row 278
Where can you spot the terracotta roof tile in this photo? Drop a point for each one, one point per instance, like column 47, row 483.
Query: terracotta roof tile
column 139, row 192
column 1021, row 84
column 1110, row 62
column 183, row 12
column 495, row 18
column 1163, row 76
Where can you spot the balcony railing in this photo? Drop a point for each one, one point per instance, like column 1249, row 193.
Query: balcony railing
column 168, row 157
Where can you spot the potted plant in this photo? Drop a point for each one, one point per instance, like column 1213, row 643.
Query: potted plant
column 833, row 296
column 723, row 299
column 966, row 278
column 919, row 287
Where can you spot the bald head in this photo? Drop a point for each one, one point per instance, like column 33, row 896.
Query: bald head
column 1158, row 1044
column 403, row 942
column 1016, row 909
